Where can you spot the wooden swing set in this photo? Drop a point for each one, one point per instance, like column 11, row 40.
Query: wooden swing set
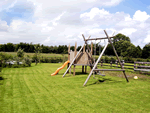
column 85, row 58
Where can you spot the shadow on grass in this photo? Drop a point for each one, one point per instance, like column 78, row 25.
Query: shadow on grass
column 76, row 74
column 80, row 73
column 1, row 78
column 107, row 80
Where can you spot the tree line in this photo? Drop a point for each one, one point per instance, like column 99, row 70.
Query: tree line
column 122, row 44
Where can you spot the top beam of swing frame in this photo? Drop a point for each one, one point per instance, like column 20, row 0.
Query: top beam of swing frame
column 99, row 38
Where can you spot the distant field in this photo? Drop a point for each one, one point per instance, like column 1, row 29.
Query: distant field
column 42, row 54
column 33, row 90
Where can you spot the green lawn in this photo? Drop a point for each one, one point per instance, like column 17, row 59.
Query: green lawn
column 32, row 89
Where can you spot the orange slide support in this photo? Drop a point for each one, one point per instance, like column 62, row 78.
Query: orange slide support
column 53, row 74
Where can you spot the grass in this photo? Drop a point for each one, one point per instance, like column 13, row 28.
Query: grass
column 32, row 89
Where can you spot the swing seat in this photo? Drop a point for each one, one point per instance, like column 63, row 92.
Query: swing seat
column 101, row 74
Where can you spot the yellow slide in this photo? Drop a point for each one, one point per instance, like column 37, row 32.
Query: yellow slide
column 53, row 74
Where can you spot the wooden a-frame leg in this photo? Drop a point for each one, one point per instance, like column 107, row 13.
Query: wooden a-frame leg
column 116, row 55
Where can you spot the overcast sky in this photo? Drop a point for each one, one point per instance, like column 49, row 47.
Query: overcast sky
column 60, row 22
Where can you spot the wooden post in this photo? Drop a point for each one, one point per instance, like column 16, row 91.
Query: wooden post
column 91, row 48
column 84, row 49
column 74, row 71
column 101, row 63
column 110, row 63
column 83, row 69
column 68, row 57
column 75, row 52
column 70, row 70
column 134, row 65
column 123, row 63
column 69, row 52
column 116, row 63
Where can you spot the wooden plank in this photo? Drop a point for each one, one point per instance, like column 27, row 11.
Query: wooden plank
column 109, row 69
column 143, row 66
column 75, row 51
column 84, row 49
column 83, row 59
column 69, row 52
column 147, row 70
column 91, row 48
column 142, row 62
column 81, row 65
column 99, row 38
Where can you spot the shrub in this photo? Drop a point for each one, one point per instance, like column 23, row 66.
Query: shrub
column 128, row 59
column 106, row 59
column 26, row 62
column 20, row 53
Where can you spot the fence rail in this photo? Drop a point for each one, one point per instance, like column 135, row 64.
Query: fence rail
column 142, row 66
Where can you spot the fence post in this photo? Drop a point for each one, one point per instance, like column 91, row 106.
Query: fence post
column 101, row 63
column 134, row 65
column 110, row 63
column 123, row 63
column 116, row 63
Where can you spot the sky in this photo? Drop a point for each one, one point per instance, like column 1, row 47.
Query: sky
column 62, row 22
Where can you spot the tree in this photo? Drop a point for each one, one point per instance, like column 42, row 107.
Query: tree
column 121, row 47
column 138, row 52
column 120, row 37
column 109, row 50
column 38, row 50
column 20, row 53
column 146, row 51
column 130, row 51
column 10, row 47
column 72, row 48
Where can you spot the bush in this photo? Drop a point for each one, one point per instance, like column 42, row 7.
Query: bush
column 26, row 62
column 148, row 60
column 128, row 59
column 20, row 53
column 113, row 59
column 107, row 59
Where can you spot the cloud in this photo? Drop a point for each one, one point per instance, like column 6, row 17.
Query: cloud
column 3, row 26
column 140, row 16
column 63, row 22
column 147, row 39
column 128, row 31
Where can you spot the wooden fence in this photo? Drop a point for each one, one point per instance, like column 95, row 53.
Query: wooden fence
column 136, row 66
